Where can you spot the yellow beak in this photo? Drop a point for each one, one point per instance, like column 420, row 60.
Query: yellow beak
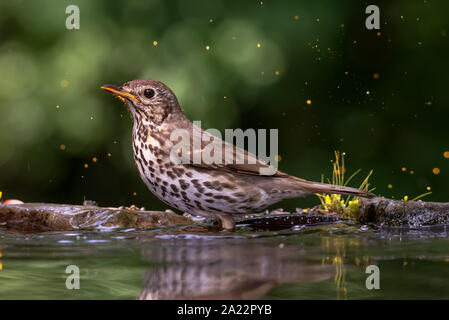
column 119, row 93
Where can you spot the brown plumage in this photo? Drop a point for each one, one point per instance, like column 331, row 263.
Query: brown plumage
column 212, row 189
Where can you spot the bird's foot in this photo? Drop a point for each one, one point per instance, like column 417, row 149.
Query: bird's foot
column 194, row 217
column 226, row 222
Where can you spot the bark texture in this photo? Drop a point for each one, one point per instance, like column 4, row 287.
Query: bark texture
column 38, row 217
column 398, row 213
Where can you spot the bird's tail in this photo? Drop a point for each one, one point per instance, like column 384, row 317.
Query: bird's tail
column 317, row 187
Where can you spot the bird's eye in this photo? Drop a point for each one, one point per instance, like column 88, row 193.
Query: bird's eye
column 149, row 93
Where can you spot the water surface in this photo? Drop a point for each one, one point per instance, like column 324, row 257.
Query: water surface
column 315, row 262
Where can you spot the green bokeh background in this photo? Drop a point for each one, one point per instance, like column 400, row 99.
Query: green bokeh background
column 317, row 50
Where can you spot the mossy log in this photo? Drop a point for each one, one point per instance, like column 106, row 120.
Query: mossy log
column 38, row 217
column 399, row 213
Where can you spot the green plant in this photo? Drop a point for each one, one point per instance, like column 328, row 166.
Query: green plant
column 346, row 206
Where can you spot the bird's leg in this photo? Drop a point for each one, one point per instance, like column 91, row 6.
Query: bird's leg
column 188, row 215
column 226, row 222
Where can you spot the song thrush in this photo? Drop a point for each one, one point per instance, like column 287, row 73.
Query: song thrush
column 218, row 190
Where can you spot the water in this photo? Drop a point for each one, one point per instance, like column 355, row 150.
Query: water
column 319, row 262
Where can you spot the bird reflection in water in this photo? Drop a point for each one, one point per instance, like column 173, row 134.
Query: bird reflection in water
column 224, row 269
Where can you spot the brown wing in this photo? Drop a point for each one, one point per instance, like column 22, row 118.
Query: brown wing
column 213, row 153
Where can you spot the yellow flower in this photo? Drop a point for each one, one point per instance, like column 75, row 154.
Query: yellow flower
column 405, row 198
column 355, row 202
column 327, row 199
column 0, row 194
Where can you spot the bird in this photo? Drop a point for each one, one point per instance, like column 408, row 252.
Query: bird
column 218, row 191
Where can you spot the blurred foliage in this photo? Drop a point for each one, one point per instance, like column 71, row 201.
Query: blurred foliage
column 381, row 98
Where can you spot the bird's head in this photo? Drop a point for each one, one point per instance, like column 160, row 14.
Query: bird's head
column 148, row 99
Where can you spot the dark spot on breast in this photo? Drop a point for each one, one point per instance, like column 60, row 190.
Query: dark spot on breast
column 198, row 205
column 184, row 185
column 184, row 196
column 198, row 186
column 200, row 189
column 174, row 188
column 229, row 186
column 229, row 199
column 178, row 171
column 215, row 185
column 143, row 157
column 171, row 175
column 159, row 138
